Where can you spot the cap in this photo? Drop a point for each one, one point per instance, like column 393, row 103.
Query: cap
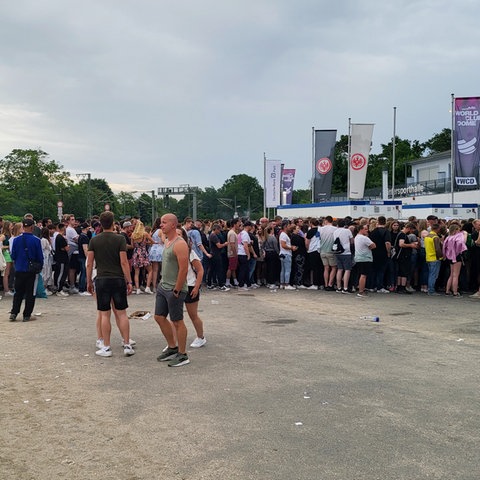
column 27, row 222
column 127, row 224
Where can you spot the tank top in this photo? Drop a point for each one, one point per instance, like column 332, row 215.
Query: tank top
column 170, row 268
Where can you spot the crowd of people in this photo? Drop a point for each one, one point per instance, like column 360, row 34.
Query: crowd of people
column 348, row 256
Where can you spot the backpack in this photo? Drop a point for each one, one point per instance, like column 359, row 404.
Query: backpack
column 337, row 246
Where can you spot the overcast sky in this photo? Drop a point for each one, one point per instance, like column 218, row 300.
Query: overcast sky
column 158, row 93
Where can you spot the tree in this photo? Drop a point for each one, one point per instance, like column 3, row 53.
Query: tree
column 244, row 194
column 30, row 182
column 440, row 142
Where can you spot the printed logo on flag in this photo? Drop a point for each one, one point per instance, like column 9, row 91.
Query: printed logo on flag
column 323, row 166
column 358, row 161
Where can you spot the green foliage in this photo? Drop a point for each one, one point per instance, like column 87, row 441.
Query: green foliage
column 30, row 182
column 440, row 142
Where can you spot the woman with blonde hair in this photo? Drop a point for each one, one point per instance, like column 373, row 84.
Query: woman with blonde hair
column 155, row 253
column 141, row 239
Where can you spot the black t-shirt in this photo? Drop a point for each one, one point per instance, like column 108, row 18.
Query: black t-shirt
column 214, row 239
column 379, row 236
column 61, row 255
column 403, row 253
column 82, row 240
column 128, row 240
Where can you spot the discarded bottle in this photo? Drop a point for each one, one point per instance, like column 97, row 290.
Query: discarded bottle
column 371, row 318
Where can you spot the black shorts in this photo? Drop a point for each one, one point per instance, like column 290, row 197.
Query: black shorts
column 364, row 268
column 189, row 299
column 73, row 262
column 108, row 289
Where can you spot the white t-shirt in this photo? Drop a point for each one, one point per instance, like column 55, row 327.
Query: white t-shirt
column 344, row 234
column 283, row 236
column 191, row 275
column 326, row 238
column 362, row 252
column 243, row 236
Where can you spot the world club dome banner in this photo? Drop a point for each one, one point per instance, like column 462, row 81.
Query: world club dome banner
column 324, row 150
column 467, row 141
column 273, row 180
column 360, row 142
column 288, row 177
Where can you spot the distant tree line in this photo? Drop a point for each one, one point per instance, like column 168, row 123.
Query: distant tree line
column 31, row 182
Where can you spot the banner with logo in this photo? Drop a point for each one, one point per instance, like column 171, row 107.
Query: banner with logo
column 360, row 142
column 273, row 180
column 466, row 141
column 288, row 177
column 324, row 150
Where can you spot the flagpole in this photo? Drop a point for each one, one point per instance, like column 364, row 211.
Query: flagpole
column 393, row 150
column 313, row 163
column 349, row 153
column 264, row 184
column 452, row 145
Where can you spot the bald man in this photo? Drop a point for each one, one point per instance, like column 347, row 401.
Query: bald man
column 171, row 293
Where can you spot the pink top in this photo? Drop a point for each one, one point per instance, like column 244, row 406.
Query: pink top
column 454, row 245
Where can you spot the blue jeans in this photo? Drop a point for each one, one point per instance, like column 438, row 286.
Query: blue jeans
column 82, row 281
column 433, row 271
column 286, row 263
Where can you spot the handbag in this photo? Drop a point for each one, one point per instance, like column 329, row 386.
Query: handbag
column 337, row 246
column 34, row 266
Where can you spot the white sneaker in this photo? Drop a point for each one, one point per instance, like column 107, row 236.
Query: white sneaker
column 410, row 289
column 48, row 293
column 302, row 287
column 255, row 285
column 61, row 293
column 383, row 290
column 243, row 289
column 198, row 342
column 104, row 352
column 138, row 292
column 289, row 287
column 99, row 343
column 130, row 342
column 9, row 294
column 73, row 291
column 312, row 287
column 128, row 351
column 147, row 290
column 85, row 294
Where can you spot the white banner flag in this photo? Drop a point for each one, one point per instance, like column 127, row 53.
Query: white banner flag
column 273, row 180
column 361, row 139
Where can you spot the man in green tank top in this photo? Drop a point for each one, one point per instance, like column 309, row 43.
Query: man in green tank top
column 171, row 293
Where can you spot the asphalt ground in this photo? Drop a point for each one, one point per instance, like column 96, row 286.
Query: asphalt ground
column 291, row 385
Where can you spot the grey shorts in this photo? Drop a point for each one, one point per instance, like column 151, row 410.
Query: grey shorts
column 344, row 262
column 166, row 303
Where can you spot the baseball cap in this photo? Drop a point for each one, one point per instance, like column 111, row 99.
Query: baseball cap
column 127, row 224
column 27, row 222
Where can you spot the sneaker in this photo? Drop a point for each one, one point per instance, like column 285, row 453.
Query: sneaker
column 372, row 290
column 224, row 289
column 12, row 317
column 312, row 287
column 73, row 291
column 409, row 289
column 339, row 290
column 148, row 291
column 289, row 287
column 168, row 354
column 9, row 293
column 243, row 289
column 362, row 294
column 179, row 360
column 228, row 285
column 130, row 342
column 457, row 295
column 198, row 342
column 475, row 295
column 99, row 343
column 329, row 289
column 28, row 318
column 85, row 294
column 104, row 352
column 235, row 283
column 271, row 286
column 255, row 285
column 383, row 290
column 302, row 287
column 61, row 293
column 48, row 293
column 128, row 351
column 346, row 292
column 138, row 291
column 211, row 287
